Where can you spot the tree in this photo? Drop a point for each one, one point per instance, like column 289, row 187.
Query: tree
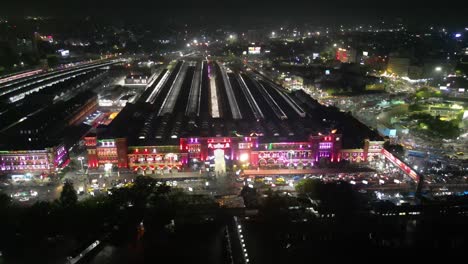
column 5, row 201
column 250, row 196
column 52, row 61
column 310, row 187
column 9, row 57
column 275, row 206
column 68, row 197
column 338, row 197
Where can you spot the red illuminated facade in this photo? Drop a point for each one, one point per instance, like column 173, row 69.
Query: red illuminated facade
column 91, row 144
column 200, row 149
column 106, row 151
column 251, row 151
column 241, row 151
column 371, row 151
column 150, row 159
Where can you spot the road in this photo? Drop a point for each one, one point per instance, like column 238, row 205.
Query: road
column 22, row 192
column 366, row 109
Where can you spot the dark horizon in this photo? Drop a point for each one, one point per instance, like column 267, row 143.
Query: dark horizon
column 244, row 12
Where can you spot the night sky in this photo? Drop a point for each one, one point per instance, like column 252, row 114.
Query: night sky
column 316, row 11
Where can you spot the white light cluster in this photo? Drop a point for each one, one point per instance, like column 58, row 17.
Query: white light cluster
column 242, row 242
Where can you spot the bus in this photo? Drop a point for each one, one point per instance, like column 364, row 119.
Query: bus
column 415, row 153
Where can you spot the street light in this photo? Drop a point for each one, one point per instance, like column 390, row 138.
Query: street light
column 244, row 157
column 438, row 69
column 291, row 153
column 81, row 160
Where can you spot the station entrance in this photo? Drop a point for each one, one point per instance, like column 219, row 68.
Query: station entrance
column 219, row 161
column 218, row 154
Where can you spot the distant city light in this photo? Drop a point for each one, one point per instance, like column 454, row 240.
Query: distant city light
column 458, row 35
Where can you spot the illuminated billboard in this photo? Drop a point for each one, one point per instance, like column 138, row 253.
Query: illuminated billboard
column 254, row 50
column 219, row 145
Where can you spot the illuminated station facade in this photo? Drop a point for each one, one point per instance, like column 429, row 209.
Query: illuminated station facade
column 219, row 152
column 195, row 116
column 198, row 115
column 44, row 161
column 36, row 144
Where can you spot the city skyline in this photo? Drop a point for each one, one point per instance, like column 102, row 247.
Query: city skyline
column 238, row 132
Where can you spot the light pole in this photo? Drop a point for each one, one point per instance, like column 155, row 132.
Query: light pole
column 291, row 153
column 81, row 160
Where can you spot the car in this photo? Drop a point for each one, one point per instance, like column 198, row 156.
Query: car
column 280, row 181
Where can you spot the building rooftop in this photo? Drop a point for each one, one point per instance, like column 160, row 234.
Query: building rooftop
column 265, row 110
column 44, row 128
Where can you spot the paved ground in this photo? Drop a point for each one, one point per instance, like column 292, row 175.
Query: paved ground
column 305, row 171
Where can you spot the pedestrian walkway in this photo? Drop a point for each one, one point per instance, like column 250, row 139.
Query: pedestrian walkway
column 305, row 171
